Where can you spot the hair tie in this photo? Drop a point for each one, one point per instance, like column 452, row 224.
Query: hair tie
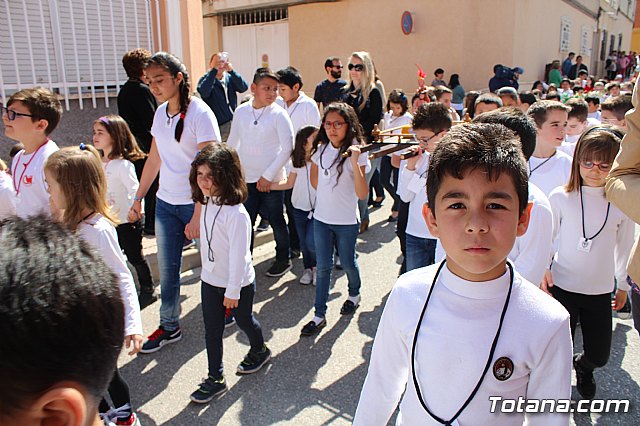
column 104, row 119
column 182, row 115
column 82, row 147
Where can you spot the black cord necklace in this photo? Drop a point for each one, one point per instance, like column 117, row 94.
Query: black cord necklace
column 326, row 171
column 253, row 111
column 586, row 242
column 170, row 117
column 539, row 165
column 208, row 236
column 486, row 368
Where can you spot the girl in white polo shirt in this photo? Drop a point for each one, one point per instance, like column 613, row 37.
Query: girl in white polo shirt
column 340, row 182
column 228, row 277
column 593, row 240
column 119, row 149
column 182, row 126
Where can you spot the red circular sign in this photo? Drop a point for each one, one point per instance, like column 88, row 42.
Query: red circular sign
column 406, row 23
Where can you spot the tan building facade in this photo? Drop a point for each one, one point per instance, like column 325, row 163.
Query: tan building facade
column 467, row 37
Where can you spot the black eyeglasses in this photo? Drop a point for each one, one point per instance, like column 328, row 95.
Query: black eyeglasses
column 11, row 114
column 357, row 67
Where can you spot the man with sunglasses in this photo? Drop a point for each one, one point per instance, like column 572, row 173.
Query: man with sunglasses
column 329, row 89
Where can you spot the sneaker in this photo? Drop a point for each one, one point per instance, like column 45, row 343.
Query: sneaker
column 229, row 320
column 209, row 389
column 159, row 338
column 187, row 244
column 279, row 268
column 262, row 226
column 585, row 383
column 348, row 307
column 131, row 421
column 254, row 361
column 295, row 253
column 307, row 277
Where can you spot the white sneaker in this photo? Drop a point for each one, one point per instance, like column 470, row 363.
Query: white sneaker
column 315, row 275
column 307, row 277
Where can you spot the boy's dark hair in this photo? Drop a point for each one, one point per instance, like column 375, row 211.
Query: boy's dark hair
column 61, row 313
column 565, row 80
column 582, row 71
column 355, row 134
column 397, row 96
column 508, row 91
column 226, row 173
column 438, row 71
column 441, row 90
column 611, row 85
column 42, row 104
column 432, row 116
column 299, row 153
column 134, row 62
column 262, row 73
column 527, row 98
column 577, row 88
column 173, row 65
column 290, row 76
column 579, row 109
column 517, row 121
column 489, row 98
column 553, row 97
column 538, row 110
column 491, row 148
column 618, row 105
column 16, row 148
column 592, row 98
column 470, row 102
column 328, row 63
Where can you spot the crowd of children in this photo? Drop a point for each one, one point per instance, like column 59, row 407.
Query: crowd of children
column 485, row 211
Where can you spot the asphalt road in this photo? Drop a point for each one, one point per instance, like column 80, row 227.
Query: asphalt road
column 311, row 381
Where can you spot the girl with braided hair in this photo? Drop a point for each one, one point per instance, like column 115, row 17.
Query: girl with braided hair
column 182, row 126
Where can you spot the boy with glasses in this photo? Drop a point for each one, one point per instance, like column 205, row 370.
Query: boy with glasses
column 29, row 118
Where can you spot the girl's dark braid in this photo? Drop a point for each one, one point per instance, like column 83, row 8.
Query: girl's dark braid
column 185, row 98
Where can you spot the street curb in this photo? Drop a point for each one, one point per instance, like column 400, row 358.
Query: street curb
column 191, row 257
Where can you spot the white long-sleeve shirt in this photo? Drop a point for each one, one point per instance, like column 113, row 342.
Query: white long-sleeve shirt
column 264, row 148
column 453, row 345
column 228, row 242
column 412, row 189
column 122, row 185
column 101, row 235
column 302, row 112
column 548, row 176
column 7, row 196
column 530, row 253
column 593, row 272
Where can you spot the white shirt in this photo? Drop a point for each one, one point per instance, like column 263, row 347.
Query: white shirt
column 593, row 272
column 264, row 148
column 530, row 253
column 336, row 200
column 596, row 115
column 553, row 173
column 101, row 235
column 389, row 122
column 303, row 195
column 226, row 239
column 200, row 125
column 412, row 189
column 302, row 112
column 568, row 145
column 7, row 196
column 122, row 185
column 27, row 170
column 454, row 342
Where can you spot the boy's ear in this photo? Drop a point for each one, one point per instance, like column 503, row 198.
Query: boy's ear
column 523, row 221
column 296, row 87
column 253, row 88
column 430, row 219
column 64, row 405
column 42, row 124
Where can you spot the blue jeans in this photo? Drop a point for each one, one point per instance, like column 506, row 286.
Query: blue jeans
column 170, row 223
column 304, row 226
column 420, row 252
column 344, row 236
column 273, row 203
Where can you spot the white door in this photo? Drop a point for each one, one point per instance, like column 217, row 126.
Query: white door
column 256, row 45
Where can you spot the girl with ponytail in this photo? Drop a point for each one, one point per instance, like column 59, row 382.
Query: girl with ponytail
column 182, row 126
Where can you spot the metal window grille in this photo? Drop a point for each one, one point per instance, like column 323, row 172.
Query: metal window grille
column 255, row 16
column 73, row 47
